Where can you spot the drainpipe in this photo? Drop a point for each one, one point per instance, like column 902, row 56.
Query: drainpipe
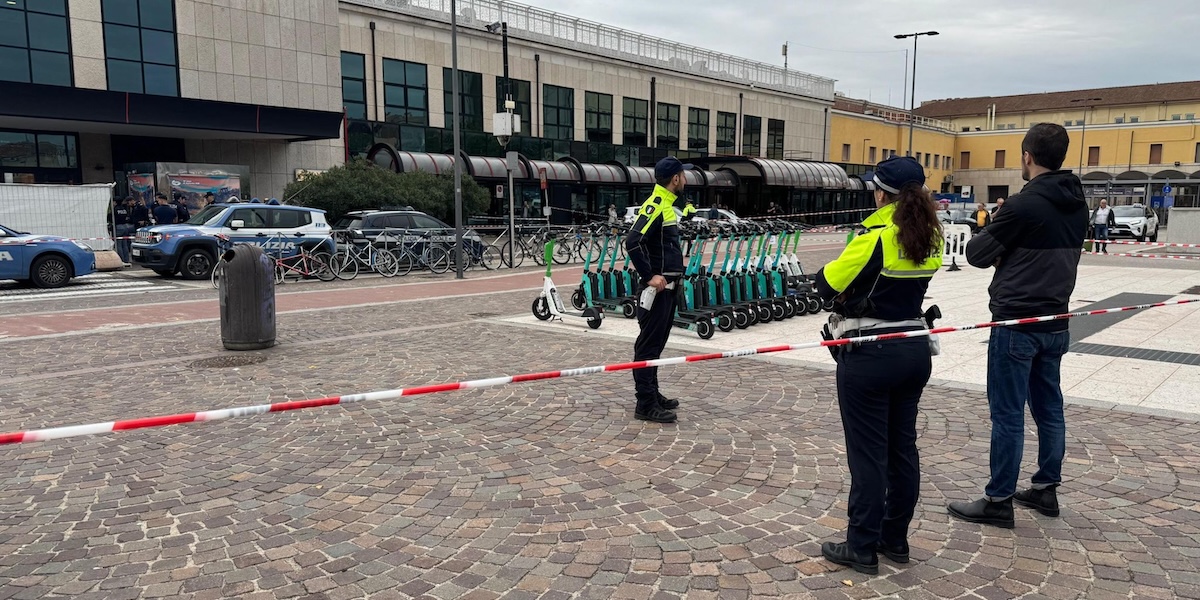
column 737, row 145
column 374, row 86
column 825, row 136
column 653, row 112
column 537, row 78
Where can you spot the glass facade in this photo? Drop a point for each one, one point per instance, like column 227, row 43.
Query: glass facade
column 598, row 117
column 775, row 139
column 40, row 157
column 698, row 129
column 139, row 46
column 521, row 96
column 667, row 120
column 635, row 122
column 726, row 133
column 559, row 110
column 405, row 92
column 470, row 95
column 751, row 135
column 35, row 44
column 354, row 85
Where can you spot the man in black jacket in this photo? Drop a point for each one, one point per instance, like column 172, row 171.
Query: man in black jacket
column 1034, row 244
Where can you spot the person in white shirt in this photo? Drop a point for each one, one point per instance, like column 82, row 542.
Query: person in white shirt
column 1102, row 219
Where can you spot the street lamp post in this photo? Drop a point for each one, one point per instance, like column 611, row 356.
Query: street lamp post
column 1083, row 132
column 456, row 103
column 506, row 135
column 913, row 96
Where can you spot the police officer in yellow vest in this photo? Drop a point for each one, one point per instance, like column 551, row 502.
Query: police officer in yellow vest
column 876, row 287
column 653, row 247
column 689, row 212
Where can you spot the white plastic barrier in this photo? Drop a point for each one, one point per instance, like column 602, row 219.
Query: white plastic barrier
column 71, row 211
column 955, row 252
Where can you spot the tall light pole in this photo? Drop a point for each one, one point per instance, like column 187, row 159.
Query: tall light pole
column 1083, row 133
column 913, row 96
column 505, row 136
column 455, row 103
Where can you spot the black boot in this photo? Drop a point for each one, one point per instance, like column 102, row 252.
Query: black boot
column 986, row 512
column 667, row 403
column 841, row 554
column 1044, row 501
column 897, row 553
column 649, row 410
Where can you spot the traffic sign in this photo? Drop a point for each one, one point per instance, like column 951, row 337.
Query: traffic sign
column 542, row 176
column 1167, row 189
column 499, row 190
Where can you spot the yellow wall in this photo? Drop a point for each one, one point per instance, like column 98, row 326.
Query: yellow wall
column 1105, row 115
column 1122, row 147
column 852, row 129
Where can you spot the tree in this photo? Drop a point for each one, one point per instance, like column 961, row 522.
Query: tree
column 360, row 185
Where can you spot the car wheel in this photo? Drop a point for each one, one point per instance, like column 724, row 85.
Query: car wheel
column 165, row 272
column 1154, row 238
column 196, row 264
column 51, row 271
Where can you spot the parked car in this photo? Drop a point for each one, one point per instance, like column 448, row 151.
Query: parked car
column 701, row 214
column 958, row 216
column 384, row 226
column 1135, row 221
column 191, row 248
column 46, row 261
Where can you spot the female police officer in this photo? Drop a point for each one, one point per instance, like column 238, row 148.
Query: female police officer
column 876, row 287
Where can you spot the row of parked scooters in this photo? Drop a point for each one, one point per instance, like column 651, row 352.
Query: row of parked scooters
column 737, row 276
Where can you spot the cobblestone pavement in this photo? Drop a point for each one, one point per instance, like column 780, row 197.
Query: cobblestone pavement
column 541, row 490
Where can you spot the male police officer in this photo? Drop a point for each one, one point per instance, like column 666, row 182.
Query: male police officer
column 653, row 246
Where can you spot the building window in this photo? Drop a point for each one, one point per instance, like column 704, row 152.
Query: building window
column 698, row 129
column 999, row 159
column 635, row 122
column 559, row 108
column 1190, row 116
column 918, row 157
column 926, row 159
column 35, row 42
column 139, row 45
column 1197, row 156
column 937, row 161
column 405, row 92
column 1119, row 120
column 964, row 160
column 1066, row 123
column 470, row 97
column 871, row 155
column 667, row 129
column 845, row 153
column 31, row 150
column 1093, row 156
column 1156, row 154
column 598, row 116
column 966, row 128
column 949, row 164
column 775, row 139
column 726, row 133
column 521, row 91
column 751, row 135
column 1079, row 122
column 354, row 85
column 1134, row 119
column 1176, row 117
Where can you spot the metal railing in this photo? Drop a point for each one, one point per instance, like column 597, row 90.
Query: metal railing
column 899, row 116
column 564, row 31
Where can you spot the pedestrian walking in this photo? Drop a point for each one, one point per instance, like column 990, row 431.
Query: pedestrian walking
column 653, row 247
column 612, row 215
column 876, row 287
column 1103, row 219
column 1034, row 246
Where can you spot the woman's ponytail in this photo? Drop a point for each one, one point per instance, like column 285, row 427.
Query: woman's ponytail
column 920, row 234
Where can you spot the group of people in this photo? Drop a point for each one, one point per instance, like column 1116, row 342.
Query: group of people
column 877, row 286
column 132, row 213
column 983, row 217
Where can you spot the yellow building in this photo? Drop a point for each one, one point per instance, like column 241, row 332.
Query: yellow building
column 1127, row 143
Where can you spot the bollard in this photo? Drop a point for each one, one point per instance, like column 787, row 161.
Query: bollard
column 247, row 292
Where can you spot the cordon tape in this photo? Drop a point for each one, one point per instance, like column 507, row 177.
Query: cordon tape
column 41, row 435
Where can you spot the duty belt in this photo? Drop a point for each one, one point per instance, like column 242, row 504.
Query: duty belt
column 839, row 326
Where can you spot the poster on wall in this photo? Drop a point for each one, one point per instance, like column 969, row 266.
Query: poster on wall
column 192, row 188
column 141, row 187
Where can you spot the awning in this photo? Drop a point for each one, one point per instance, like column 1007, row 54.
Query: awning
column 800, row 174
column 641, row 175
column 555, row 170
column 722, row 178
column 487, row 167
column 593, row 173
column 694, row 178
column 430, row 163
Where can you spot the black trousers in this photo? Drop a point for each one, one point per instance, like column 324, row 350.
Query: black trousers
column 655, row 327
column 879, row 385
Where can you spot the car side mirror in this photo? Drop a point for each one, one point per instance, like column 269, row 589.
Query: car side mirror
column 237, row 224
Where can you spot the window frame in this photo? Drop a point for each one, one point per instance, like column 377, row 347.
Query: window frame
column 29, row 49
column 142, row 62
column 964, row 159
column 635, row 121
column 1001, row 159
column 524, row 108
column 665, row 125
column 468, row 120
column 751, row 138
column 406, row 113
column 727, row 131
column 594, row 117
column 695, row 126
column 776, row 138
column 360, row 82
column 561, row 128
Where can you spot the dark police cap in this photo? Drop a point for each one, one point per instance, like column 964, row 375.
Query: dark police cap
column 897, row 172
column 669, row 167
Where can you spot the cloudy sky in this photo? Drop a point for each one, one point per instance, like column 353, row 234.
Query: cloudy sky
column 986, row 47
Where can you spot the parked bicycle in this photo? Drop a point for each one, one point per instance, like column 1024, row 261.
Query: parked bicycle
column 356, row 251
column 305, row 263
column 417, row 249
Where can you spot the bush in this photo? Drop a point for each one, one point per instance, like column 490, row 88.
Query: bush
column 360, row 185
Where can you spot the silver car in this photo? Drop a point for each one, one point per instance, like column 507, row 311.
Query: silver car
column 1136, row 221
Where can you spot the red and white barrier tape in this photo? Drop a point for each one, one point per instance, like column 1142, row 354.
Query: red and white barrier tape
column 1155, row 256
column 811, row 214
column 1133, row 243
column 41, row 435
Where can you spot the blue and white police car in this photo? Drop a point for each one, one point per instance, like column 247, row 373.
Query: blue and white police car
column 191, row 249
column 47, row 261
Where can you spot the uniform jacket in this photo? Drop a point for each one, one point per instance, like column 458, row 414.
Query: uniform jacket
column 653, row 240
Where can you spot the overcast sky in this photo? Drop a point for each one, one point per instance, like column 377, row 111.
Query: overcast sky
column 986, row 47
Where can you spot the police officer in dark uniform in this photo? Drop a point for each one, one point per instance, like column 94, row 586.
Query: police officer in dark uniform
column 653, row 247
column 876, row 287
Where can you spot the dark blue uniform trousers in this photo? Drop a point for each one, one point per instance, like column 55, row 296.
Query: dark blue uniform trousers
column 655, row 327
column 879, row 385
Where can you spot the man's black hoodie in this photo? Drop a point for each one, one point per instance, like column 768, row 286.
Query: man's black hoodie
column 1037, row 238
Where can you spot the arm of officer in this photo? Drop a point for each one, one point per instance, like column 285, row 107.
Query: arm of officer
column 994, row 241
column 635, row 249
column 836, row 277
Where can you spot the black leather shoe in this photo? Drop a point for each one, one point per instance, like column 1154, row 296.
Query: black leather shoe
column 1044, row 501
column 667, row 403
column 655, row 414
column 999, row 514
column 841, row 554
column 898, row 553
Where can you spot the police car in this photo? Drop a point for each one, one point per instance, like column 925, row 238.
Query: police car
column 46, row 261
column 191, row 248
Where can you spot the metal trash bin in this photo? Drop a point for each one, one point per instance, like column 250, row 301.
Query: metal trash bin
column 247, row 292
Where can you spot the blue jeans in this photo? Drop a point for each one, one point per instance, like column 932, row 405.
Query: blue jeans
column 1101, row 234
column 1024, row 367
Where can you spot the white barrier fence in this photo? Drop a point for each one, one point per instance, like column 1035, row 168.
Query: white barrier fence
column 71, row 211
column 955, row 252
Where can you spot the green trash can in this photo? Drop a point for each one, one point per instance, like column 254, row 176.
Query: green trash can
column 247, row 293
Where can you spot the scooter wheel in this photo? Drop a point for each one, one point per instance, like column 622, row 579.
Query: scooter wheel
column 790, row 308
column 814, row 305
column 577, row 299
column 595, row 322
column 764, row 313
column 541, row 309
column 725, row 322
column 741, row 319
column 629, row 310
column 704, row 329
column 753, row 314
column 778, row 312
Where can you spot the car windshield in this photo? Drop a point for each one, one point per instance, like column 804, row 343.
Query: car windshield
column 207, row 214
column 5, row 232
column 1129, row 211
column 348, row 223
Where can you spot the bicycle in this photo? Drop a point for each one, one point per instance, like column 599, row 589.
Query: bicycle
column 433, row 256
column 304, row 263
column 224, row 244
column 345, row 263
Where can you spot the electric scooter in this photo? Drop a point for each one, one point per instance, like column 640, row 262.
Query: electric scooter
column 549, row 306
